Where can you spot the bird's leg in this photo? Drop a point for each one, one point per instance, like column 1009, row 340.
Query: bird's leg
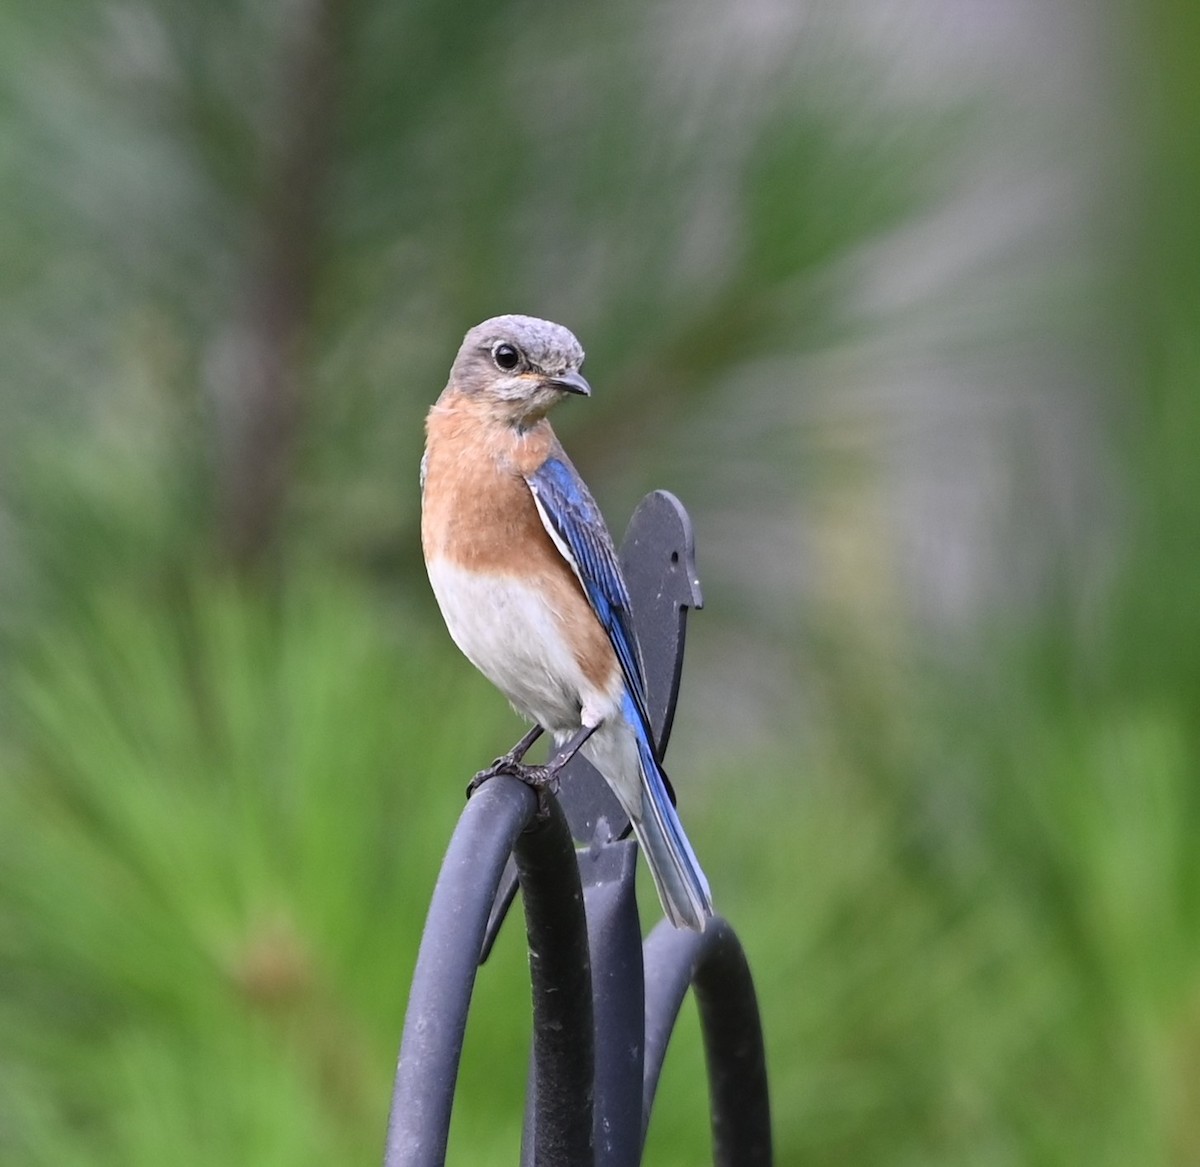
column 518, row 752
column 508, row 763
column 515, row 756
column 569, row 750
column 539, row 778
column 544, row 779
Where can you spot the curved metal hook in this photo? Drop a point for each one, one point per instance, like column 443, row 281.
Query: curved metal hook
column 715, row 967
column 502, row 817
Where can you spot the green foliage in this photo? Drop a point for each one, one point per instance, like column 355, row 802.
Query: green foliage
column 219, row 835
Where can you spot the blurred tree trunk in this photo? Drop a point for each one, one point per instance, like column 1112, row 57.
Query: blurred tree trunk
column 258, row 393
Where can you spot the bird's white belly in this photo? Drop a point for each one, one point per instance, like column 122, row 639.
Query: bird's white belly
column 509, row 633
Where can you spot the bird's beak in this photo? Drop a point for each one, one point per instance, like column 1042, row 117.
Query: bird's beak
column 571, row 383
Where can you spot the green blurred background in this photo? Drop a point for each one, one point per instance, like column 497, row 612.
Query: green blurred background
column 901, row 299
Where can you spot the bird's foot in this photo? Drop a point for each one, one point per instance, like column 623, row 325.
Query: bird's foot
column 509, row 763
column 499, row 765
column 535, row 777
column 538, row 778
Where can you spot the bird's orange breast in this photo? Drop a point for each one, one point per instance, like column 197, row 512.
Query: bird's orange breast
column 479, row 514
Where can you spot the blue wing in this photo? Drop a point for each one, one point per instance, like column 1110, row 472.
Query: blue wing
column 575, row 524
column 574, row 521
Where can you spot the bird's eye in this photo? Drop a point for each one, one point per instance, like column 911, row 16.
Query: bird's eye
column 506, row 357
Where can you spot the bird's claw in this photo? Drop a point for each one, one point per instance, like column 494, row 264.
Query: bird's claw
column 540, row 779
column 543, row 781
column 504, row 764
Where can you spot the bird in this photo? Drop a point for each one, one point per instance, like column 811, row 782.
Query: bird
column 527, row 578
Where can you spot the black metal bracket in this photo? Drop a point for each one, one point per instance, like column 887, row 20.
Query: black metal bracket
column 604, row 1005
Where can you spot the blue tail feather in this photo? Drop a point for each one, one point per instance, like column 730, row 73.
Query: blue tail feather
column 678, row 878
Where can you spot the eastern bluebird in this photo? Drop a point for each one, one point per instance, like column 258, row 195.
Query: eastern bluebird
column 528, row 581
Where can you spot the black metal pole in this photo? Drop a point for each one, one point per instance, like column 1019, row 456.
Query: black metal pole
column 615, row 936
column 558, row 1128
column 427, row 1070
column 715, row 966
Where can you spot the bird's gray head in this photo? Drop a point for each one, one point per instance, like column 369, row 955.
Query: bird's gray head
column 519, row 365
